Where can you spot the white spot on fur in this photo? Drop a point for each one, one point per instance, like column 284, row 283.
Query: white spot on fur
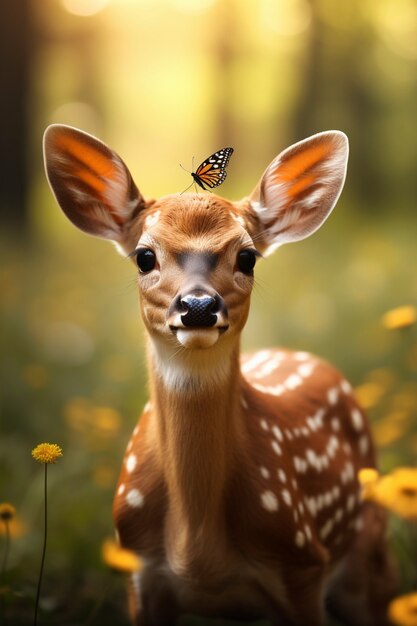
column 293, row 381
column 350, row 503
column 357, row 419
column 348, row 473
column 264, row 472
column 300, row 465
column 264, row 424
column 346, row 387
column 328, row 498
column 131, row 462
column 121, row 489
column 274, row 391
column 277, row 432
column 326, row 529
column 311, row 506
column 270, row 366
column 316, row 422
column 311, row 457
column 276, row 447
column 255, row 360
column 335, row 424
column 243, row 402
column 306, row 369
column 286, row 496
column 332, row 446
column 282, row 476
column 269, row 501
column 364, row 445
column 333, row 396
column 299, row 539
column 302, row 356
column 134, row 498
column 336, row 492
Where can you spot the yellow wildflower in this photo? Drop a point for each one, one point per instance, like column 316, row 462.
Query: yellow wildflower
column 388, row 430
column 402, row 611
column 396, row 491
column 7, row 511
column 368, row 476
column 400, row 317
column 369, row 394
column 16, row 528
column 47, row 452
column 119, row 558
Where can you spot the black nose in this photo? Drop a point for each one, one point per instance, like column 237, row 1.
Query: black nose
column 200, row 310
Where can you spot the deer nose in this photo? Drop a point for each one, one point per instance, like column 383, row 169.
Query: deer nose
column 200, row 310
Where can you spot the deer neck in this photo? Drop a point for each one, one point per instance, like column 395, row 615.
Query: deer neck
column 195, row 396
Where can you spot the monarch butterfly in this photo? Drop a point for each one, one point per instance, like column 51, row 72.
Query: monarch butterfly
column 212, row 171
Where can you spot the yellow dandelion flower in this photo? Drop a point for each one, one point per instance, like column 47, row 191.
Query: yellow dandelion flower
column 16, row 528
column 396, row 491
column 119, row 558
column 400, row 317
column 47, row 453
column 402, row 611
column 368, row 476
column 7, row 511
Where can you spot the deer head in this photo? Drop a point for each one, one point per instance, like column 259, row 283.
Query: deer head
column 195, row 252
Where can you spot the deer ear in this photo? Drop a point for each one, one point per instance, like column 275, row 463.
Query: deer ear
column 91, row 183
column 300, row 188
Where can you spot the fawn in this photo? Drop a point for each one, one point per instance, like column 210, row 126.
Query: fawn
column 239, row 485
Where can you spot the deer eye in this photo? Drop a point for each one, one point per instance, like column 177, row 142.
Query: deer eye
column 145, row 259
column 246, row 260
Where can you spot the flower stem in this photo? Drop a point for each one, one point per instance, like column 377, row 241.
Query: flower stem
column 6, row 549
column 3, row 574
column 35, row 621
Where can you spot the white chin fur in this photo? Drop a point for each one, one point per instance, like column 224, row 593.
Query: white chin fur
column 197, row 339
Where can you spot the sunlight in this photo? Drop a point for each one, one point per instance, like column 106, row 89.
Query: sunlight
column 193, row 7
column 79, row 114
column 398, row 28
column 288, row 18
column 84, row 8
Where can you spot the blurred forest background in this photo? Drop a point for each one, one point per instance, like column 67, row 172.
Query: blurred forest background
column 162, row 81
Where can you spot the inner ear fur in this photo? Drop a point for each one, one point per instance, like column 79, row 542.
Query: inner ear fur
column 299, row 189
column 91, row 183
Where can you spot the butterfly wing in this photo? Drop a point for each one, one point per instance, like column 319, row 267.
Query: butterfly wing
column 212, row 172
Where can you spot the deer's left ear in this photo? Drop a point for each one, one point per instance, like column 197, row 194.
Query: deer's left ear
column 299, row 189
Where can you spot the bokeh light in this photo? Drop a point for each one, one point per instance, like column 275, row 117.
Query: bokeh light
column 84, row 8
column 193, row 7
column 287, row 18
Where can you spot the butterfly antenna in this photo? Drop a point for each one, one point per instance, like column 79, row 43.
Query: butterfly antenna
column 185, row 169
column 187, row 188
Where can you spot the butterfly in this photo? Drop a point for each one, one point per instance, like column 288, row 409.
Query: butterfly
column 212, row 172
